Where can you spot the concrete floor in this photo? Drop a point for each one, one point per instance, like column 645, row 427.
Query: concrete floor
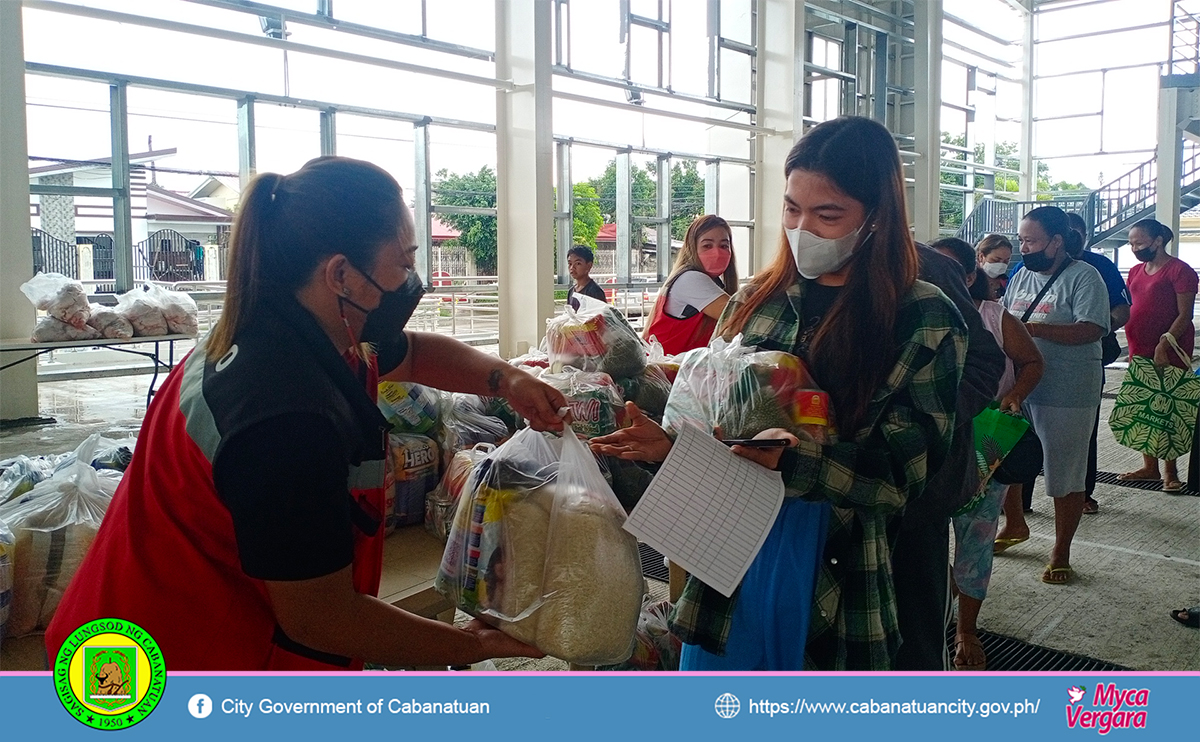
column 1135, row 560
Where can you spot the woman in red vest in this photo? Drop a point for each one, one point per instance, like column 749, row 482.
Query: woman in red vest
column 246, row 532
column 703, row 279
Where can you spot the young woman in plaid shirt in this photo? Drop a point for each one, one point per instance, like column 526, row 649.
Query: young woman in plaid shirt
column 842, row 293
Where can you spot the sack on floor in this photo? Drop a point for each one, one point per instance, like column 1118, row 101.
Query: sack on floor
column 1155, row 411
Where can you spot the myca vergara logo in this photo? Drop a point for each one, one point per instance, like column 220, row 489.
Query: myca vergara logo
column 109, row 674
column 1112, row 708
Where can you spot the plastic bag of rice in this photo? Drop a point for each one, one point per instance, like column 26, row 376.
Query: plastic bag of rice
column 61, row 297
column 537, row 549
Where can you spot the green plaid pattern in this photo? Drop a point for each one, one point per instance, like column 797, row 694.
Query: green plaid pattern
column 867, row 480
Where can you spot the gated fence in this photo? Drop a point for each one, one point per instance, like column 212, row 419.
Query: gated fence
column 167, row 255
column 102, row 255
column 52, row 255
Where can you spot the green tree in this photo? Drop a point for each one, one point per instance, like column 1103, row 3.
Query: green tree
column 687, row 193
column 477, row 232
column 586, row 217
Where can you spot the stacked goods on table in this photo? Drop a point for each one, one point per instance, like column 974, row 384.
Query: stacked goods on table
column 147, row 311
column 52, row 525
column 744, row 392
column 537, row 550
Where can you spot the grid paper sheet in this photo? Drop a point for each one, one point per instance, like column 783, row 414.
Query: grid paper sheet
column 708, row 510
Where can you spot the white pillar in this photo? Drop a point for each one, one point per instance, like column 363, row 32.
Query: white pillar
column 780, row 100
column 1176, row 108
column 928, row 166
column 524, row 173
column 1028, row 184
column 18, row 385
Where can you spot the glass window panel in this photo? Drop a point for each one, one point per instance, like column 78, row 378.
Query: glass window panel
column 1058, row 96
column 1129, row 47
column 396, row 15
column 286, row 138
column 595, row 37
column 737, row 20
column 643, row 45
column 1114, row 14
column 467, row 22
column 689, row 53
column 735, row 77
column 1131, row 109
column 1067, row 136
column 387, row 143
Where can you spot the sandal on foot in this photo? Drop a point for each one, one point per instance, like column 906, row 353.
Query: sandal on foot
column 1049, row 575
column 968, row 653
column 1137, row 476
column 1173, row 485
column 1001, row 545
column 1187, row 617
column 1090, row 507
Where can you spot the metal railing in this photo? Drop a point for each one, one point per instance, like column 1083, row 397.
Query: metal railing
column 1185, row 38
column 52, row 255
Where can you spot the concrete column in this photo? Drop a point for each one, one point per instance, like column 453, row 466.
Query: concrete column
column 524, row 173
column 779, row 96
column 1028, row 185
column 928, row 167
column 18, row 385
column 1170, row 162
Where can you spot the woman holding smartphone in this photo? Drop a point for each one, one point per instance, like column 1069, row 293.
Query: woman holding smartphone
column 841, row 294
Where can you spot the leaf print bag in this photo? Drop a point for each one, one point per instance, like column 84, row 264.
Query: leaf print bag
column 1155, row 412
column 996, row 436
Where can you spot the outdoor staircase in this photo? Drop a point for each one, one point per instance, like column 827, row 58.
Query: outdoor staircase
column 1108, row 210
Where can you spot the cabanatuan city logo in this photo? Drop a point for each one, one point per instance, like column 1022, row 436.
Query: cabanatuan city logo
column 1112, row 708
column 109, row 674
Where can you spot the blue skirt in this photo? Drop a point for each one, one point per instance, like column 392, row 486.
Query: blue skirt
column 770, row 618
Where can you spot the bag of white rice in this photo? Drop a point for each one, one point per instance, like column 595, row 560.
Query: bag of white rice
column 109, row 323
column 54, row 524
column 61, row 297
column 51, row 330
column 537, row 549
column 144, row 310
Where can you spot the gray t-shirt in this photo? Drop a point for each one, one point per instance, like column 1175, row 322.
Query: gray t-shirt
column 1073, row 376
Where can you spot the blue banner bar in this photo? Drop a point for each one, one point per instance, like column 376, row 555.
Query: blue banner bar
column 594, row 706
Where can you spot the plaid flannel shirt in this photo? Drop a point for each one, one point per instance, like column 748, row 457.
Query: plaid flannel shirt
column 867, row 479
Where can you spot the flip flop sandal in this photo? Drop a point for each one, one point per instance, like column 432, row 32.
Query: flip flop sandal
column 1001, row 545
column 1091, row 507
column 1049, row 572
column 1127, row 478
column 968, row 641
column 1174, row 486
column 1192, row 620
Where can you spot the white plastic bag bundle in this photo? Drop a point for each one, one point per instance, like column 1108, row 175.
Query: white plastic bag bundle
column 109, row 323
column 537, row 549
column 51, row 330
column 144, row 310
column 61, row 297
column 54, row 524
column 179, row 310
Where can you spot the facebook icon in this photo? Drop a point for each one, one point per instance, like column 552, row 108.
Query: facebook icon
column 200, row 706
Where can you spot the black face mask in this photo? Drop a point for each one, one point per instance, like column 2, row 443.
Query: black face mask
column 1037, row 261
column 1146, row 254
column 384, row 327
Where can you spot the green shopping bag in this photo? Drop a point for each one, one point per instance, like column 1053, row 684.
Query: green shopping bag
column 996, row 434
column 1155, row 412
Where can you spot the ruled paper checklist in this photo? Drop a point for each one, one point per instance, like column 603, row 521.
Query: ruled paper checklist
column 708, row 510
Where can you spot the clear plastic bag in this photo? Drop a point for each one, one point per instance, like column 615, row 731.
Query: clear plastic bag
column 59, row 296
column 597, row 407
column 654, row 388
column 51, row 330
column 109, row 322
column 744, row 392
column 22, row 474
column 595, row 337
column 657, row 650
column 143, row 308
column 538, row 550
column 179, row 310
column 54, row 524
column 442, row 503
column 7, row 544
column 465, row 423
column 410, row 408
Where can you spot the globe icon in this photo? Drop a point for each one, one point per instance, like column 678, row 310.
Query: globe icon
column 728, row 706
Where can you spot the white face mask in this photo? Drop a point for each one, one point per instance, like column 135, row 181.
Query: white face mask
column 816, row 256
column 995, row 270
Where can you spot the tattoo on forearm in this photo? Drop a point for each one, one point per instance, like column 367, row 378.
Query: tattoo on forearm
column 494, row 381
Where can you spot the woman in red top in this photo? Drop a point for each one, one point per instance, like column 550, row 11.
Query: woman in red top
column 246, row 533
column 699, row 287
column 1163, row 289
